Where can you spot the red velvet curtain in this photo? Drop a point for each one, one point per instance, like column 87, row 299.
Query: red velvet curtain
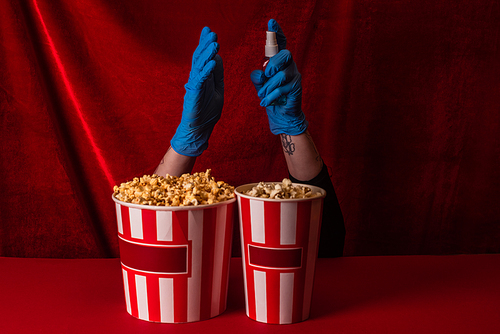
column 402, row 99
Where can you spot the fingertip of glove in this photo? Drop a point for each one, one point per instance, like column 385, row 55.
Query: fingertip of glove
column 204, row 33
column 207, row 36
column 280, row 61
column 216, row 46
column 272, row 25
column 286, row 54
column 213, row 36
column 210, row 66
column 257, row 77
column 218, row 59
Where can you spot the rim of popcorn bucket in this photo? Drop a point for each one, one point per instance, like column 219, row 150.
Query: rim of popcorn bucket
column 238, row 191
column 172, row 208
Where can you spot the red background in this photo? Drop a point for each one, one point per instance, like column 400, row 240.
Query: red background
column 402, row 99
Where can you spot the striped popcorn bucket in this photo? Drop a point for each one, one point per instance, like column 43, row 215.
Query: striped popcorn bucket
column 175, row 260
column 279, row 240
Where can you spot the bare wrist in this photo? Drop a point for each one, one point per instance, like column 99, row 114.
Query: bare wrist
column 175, row 164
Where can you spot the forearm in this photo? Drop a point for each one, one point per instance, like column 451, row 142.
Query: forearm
column 306, row 166
column 301, row 155
column 175, row 164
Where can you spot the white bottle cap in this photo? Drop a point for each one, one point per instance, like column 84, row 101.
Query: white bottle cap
column 271, row 44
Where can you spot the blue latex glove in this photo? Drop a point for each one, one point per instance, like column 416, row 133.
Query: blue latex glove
column 203, row 100
column 281, row 79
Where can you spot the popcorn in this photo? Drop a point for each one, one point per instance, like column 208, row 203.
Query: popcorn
column 186, row 190
column 283, row 190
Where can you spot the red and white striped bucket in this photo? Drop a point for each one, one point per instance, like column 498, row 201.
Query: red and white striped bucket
column 279, row 240
column 175, row 260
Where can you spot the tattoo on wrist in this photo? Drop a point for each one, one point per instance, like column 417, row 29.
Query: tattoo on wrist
column 288, row 146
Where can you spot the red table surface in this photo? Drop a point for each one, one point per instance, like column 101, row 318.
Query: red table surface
column 394, row 294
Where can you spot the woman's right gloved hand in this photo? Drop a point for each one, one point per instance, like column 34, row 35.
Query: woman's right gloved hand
column 203, row 100
column 281, row 78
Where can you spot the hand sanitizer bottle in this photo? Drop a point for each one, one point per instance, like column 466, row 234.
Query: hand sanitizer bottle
column 271, row 49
